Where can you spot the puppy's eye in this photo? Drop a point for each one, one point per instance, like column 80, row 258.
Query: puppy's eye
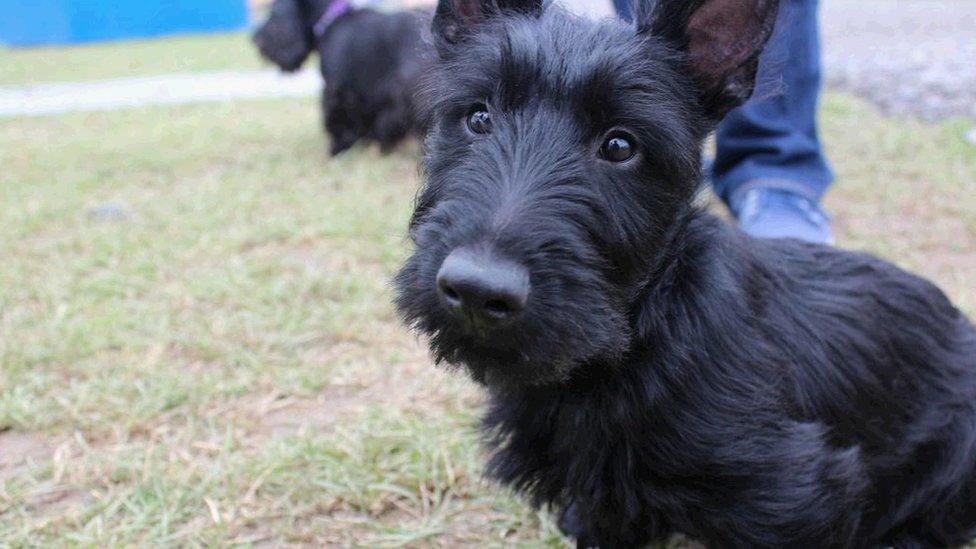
column 618, row 148
column 479, row 121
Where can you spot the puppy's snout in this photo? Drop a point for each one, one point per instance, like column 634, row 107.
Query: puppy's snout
column 483, row 288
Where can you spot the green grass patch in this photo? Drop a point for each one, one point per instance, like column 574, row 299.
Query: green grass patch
column 181, row 54
column 221, row 364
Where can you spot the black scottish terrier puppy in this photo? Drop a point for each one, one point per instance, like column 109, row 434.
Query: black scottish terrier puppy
column 652, row 370
column 371, row 63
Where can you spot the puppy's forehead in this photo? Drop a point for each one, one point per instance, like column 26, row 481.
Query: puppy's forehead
column 601, row 74
column 562, row 55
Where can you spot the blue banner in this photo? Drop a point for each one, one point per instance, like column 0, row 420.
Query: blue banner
column 46, row 22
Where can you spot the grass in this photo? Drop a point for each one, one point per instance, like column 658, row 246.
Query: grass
column 216, row 362
column 212, row 52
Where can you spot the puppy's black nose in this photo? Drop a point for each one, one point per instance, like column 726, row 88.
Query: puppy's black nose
column 484, row 288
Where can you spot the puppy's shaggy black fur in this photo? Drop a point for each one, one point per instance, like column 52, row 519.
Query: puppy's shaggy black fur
column 371, row 62
column 652, row 370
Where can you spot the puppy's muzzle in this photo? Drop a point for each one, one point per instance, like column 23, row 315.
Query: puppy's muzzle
column 483, row 290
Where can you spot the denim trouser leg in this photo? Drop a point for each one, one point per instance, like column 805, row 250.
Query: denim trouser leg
column 624, row 9
column 772, row 140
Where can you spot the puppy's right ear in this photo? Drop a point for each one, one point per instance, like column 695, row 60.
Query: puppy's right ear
column 454, row 19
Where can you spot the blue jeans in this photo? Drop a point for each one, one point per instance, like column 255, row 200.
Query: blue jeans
column 772, row 141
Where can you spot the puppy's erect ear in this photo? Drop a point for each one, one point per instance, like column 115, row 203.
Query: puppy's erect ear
column 722, row 38
column 455, row 18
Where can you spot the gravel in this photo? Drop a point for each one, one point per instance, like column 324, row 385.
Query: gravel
column 907, row 56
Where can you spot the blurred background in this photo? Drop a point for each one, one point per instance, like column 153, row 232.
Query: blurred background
column 197, row 344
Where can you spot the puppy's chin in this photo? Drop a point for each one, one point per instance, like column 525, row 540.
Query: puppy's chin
column 508, row 369
column 527, row 357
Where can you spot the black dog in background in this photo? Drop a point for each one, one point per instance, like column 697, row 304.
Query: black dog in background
column 651, row 369
column 371, row 62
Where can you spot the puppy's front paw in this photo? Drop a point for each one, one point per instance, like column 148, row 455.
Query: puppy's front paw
column 572, row 526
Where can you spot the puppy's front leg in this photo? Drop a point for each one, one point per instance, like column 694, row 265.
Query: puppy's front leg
column 572, row 527
column 592, row 528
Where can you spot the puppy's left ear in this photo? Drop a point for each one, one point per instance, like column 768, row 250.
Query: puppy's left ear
column 455, row 19
column 722, row 39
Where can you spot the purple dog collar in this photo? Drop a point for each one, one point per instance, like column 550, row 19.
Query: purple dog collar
column 336, row 9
